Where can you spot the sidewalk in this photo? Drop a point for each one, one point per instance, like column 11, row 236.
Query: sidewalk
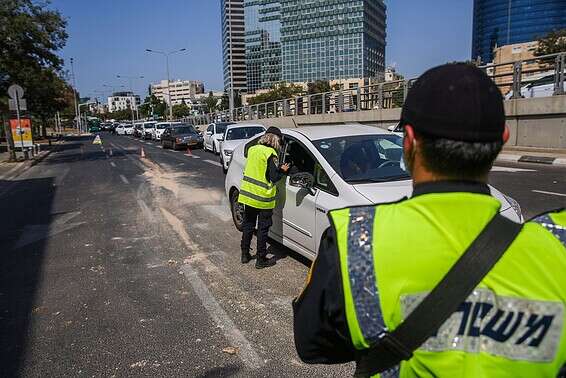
column 10, row 170
column 533, row 155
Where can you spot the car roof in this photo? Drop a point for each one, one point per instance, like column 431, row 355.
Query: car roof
column 335, row 131
column 238, row 125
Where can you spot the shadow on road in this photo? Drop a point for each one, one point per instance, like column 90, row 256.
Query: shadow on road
column 26, row 209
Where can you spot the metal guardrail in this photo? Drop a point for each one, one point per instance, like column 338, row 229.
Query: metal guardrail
column 509, row 77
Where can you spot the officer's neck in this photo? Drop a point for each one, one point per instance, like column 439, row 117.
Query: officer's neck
column 422, row 175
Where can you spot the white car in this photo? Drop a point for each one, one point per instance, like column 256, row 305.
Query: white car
column 234, row 135
column 543, row 87
column 212, row 136
column 148, row 128
column 160, row 128
column 340, row 172
column 120, row 130
column 128, row 128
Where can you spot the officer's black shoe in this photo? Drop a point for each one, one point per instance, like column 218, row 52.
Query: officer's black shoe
column 246, row 257
column 264, row 262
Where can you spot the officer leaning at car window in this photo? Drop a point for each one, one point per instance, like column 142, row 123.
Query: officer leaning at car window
column 258, row 194
column 375, row 261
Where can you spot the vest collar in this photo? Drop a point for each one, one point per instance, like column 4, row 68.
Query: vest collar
column 451, row 187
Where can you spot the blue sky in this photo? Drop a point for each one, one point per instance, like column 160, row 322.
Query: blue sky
column 109, row 38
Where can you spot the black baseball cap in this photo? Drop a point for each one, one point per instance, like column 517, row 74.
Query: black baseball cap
column 455, row 101
column 274, row 130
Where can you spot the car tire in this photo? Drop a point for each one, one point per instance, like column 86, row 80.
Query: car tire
column 224, row 170
column 163, row 145
column 174, row 146
column 237, row 210
column 214, row 148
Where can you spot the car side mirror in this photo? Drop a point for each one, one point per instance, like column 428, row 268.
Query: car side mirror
column 302, row 180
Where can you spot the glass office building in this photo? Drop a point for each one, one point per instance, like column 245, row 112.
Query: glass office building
column 332, row 40
column 504, row 22
column 263, row 43
column 233, row 45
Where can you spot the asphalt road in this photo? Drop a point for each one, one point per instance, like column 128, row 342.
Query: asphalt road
column 113, row 265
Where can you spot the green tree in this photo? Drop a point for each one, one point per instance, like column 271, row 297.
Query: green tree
column 210, row 103
column 552, row 43
column 152, row 105
column 31, row 36
column 181, row 110
column 280, row 91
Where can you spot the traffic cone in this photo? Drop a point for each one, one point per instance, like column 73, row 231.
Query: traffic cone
column 142, row 153
column 189, row 153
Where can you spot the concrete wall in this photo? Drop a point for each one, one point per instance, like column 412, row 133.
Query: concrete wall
column 534, row 122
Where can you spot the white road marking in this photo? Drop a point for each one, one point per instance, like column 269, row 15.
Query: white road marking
column 247, row 353
column 112, row 164
column 512, row 170
column 193, row 156
column 213, row 162
column 124, row 179
column 550, row 193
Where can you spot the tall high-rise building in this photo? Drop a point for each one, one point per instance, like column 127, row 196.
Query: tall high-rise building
column 505, row 22
column 263, row 43
column 332, row 40
column 233, row 45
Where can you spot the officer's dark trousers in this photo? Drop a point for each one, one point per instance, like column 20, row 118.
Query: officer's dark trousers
column 263, row 218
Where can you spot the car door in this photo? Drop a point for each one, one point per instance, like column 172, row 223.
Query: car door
column 208, row 136
column 296, row 207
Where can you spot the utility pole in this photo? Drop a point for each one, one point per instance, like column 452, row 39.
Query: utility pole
column 75, row 94
column 168, row 77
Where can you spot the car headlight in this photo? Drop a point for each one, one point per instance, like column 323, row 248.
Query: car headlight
column 514, row 205
column 227, row 152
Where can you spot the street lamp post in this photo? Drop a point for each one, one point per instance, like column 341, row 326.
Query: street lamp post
column 131, row 80
column 77, row 107
column 166, row 54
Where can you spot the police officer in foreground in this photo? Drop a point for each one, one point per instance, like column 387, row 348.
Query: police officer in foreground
column 377, row 263
column 258, row 194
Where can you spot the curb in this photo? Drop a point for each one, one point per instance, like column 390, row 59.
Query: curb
column 547, row 160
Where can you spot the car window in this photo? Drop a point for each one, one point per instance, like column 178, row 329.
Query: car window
column 221, row 128
column 299, row 158
column 365, row 158
column 322, row 181
column 243, row 132
column 544, row 81
column 161, row 126
column 209, row 128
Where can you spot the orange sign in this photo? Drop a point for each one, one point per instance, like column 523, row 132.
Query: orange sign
column 21, row 133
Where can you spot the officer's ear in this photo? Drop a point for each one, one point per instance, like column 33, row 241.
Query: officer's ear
column 409, row 139
column 506, row 134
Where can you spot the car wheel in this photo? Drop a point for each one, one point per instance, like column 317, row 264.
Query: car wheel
column 162, row 144
column 224, row 170
column 174, row 146
column 214, row 148
column 237, row 210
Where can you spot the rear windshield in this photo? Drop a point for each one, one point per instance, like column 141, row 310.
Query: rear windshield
column 187, row 129
column 243, row 132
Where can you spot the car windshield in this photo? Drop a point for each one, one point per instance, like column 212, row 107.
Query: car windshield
column 365, row 158
column 243, row 132
column 162, row 125
column 149, row 125
column 185, row 129
column 221, row 128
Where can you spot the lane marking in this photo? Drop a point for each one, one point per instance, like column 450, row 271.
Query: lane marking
column 112, row 164
column 550, row 193
column 193, row 156
column 247, row 353
column 213, row 162
column 510, row 169
column 124, row 179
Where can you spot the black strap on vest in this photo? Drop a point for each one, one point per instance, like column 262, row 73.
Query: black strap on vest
column 442, row 301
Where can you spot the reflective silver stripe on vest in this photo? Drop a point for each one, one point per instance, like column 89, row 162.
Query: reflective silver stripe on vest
column 558, row 231
column 256, row 197
column 257, row 182
column 363, row 283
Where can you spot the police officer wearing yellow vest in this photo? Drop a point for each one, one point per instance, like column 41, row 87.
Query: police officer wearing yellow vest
column 376, row 263
column 258, row 194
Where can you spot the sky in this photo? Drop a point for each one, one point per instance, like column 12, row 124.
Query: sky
column 109, row 38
